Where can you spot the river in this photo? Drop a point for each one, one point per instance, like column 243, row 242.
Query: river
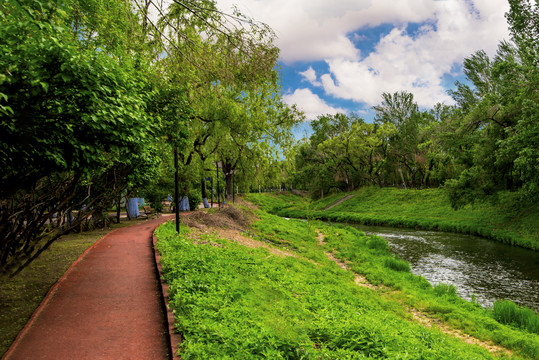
column 475, row 266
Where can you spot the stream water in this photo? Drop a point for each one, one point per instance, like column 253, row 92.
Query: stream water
column 487, row 269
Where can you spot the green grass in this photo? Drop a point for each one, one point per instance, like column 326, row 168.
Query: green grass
column 428, row 209
column 397, row 265
column 234, row 302
column 270, row 202
column 22, row 294
column 507, row 312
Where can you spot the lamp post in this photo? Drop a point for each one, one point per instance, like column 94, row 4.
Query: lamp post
column 176, row 190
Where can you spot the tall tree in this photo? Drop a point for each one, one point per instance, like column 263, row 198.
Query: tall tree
column 74, row 130
column 500, row 124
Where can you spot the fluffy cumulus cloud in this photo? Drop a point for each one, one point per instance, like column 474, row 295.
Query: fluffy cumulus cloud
column 404, row 58
column 311, row 104
column 310, row 76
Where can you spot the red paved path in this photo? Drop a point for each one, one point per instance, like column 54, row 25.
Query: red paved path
column 107, row 306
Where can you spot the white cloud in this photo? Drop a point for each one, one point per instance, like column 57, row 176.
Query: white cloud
column 310, row 76
column 320, row 30
column 310, row 30
column 418, row 63
column 311, row 104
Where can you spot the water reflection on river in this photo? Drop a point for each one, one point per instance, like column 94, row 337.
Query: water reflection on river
column 485, row 268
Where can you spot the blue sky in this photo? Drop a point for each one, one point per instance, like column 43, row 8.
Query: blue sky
column 341, row 55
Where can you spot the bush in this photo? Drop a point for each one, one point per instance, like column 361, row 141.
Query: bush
column 195, row 198
column 397, row 265
column 445, row 290
column 377, row 243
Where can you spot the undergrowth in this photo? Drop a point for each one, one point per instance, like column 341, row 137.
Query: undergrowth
column 507, row 312
column 234, row 302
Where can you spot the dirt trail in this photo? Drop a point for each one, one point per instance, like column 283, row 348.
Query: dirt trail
column 227, row 225
column 339, row 201
column 359, row 279
column 417, row 315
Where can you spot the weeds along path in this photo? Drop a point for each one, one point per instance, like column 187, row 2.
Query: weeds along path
column 417, row 316
column 230, row 224
column 359, row 279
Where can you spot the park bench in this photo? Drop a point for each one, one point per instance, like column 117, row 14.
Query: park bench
column 148, row 211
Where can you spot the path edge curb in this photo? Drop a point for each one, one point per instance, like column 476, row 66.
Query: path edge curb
column 174, row 339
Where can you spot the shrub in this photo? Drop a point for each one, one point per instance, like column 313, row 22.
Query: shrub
column 195, row 198
column 377, row 243
column 397, row 265
column 445, row 290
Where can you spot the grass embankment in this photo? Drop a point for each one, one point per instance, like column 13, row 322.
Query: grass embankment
column 427, row 209
column 337, row 295
column 22, row 294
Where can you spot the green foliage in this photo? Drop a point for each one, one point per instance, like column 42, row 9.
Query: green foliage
column 377, row 243
column 484, row 145
column 447, row 290
column 92, row 104
column 507, row 312
column 271, row 203
column 236, row 302
column 232, row 301
column 497, row 123
column 497, row 218
column 75, row 132
column 397, row 265
column 71, row 109
column 195, row 198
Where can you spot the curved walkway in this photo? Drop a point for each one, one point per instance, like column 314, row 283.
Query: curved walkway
column 108, row 305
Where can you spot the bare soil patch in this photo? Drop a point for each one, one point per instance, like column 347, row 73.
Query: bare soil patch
column 228, row 223
column 226, row 218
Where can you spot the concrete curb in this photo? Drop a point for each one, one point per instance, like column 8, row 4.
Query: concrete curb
column 174, row 338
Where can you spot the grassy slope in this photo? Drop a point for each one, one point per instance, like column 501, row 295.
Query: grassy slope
column 428, row 209
column 236, row 302
column 21, row 295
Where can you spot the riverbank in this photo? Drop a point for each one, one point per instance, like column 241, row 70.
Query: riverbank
column 427, row 209
column 282, row 288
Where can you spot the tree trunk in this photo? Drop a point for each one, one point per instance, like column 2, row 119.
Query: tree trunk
column 118, row 209
column 229, row 190
column 203, row 188
column 127, row 210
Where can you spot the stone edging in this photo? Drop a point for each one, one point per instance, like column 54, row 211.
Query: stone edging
column 174, row 338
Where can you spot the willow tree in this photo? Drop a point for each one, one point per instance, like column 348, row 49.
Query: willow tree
column 228, row 63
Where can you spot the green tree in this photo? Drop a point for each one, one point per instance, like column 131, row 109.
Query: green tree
column 499, row 125
column 74, row 130
column 232, row 85
column 405, row 161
